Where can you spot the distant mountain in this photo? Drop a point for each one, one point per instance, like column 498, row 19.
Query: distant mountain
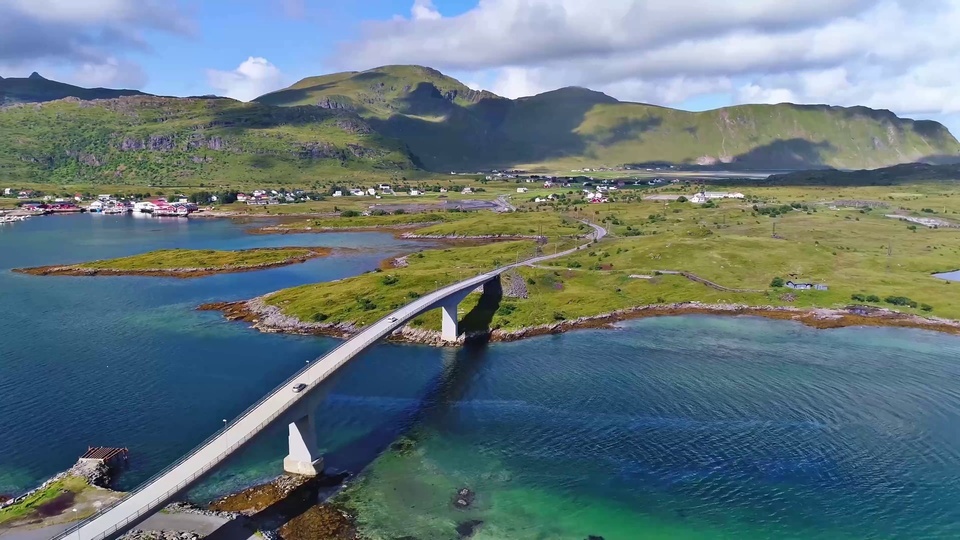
column 176, row 141
column 450, row 126
column 38, row 89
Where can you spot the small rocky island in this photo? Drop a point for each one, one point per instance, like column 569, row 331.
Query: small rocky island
column 185, row 263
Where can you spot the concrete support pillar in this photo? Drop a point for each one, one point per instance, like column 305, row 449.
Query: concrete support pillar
column 448, row 329
column 304, row 457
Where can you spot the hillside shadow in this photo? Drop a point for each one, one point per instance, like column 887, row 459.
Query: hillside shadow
column 631, row 129
column 786, row 154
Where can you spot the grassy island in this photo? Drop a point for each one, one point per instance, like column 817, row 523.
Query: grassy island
column 185, row 263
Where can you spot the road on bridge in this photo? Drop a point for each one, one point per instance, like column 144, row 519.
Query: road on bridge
column 156, row 492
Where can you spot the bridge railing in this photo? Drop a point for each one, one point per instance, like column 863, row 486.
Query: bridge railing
column 150, row 507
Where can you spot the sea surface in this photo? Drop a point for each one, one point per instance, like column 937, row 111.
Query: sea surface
column 692, row 427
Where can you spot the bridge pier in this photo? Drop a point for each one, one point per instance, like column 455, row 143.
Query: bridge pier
column 449, row 328
column 449, row 319
column 304, row 457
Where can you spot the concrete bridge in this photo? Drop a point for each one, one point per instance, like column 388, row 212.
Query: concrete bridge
column 295, row 407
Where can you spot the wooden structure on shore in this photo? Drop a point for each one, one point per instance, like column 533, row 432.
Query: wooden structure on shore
column 105, row 454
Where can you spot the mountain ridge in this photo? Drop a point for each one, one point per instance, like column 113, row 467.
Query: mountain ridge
column 37, row 89
column 450, row 126
column 396, row 118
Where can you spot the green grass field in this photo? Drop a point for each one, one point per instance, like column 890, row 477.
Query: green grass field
column 28, row 507
column 861, row 255
column 168, row 259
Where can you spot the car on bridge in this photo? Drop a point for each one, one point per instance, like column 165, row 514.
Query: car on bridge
column 299, row 388
column 391, row 319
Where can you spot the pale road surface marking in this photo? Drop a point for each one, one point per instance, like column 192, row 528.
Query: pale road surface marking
column 156, row 492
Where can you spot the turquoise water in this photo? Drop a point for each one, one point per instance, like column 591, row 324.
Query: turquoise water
column 681, row 427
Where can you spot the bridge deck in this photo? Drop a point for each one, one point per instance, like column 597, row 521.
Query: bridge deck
column 157, row 491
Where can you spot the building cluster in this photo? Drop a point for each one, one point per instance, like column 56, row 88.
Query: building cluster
column 704, row 196
column 272, row 196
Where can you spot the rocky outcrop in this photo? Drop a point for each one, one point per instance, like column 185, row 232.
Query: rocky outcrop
column 514, row 284
column 327, row 103
column 320, row 150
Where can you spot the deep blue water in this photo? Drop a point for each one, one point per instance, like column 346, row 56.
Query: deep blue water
column 682, row 427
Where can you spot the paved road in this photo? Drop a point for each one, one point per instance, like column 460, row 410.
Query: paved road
column 157, row 491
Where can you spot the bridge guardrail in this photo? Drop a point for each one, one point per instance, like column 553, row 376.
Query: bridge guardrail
column 150, row 506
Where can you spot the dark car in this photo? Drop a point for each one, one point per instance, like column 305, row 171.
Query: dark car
column 299, row 388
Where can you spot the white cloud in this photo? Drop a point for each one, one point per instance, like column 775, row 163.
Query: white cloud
column 112, row 73
column 85, row 40
column 423, row 10
column 898, row 54
column 253, row 78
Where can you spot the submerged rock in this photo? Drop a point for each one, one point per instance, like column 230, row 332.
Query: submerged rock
column 467, row 529
column 464, row 498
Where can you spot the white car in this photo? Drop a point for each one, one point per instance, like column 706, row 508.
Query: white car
column 391, row 319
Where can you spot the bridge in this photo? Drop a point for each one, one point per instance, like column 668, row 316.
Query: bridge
column 304, row 456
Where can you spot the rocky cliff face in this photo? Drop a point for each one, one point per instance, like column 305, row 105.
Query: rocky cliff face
column 146, row 139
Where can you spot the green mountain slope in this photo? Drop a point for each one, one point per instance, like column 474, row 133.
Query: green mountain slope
column 36, row 89
column 449, row 126
column 180, row 141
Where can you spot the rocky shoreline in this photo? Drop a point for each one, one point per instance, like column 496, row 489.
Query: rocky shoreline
column 270, row 319
column 279, row 229
column 97, row 474
column 76, row 270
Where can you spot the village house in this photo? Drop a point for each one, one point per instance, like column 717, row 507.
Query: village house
column 338, row 193
column 7, row 191
column 467, row 190
column 242, row 197
column 806, row 286
column 414, row 192
column 522, row 190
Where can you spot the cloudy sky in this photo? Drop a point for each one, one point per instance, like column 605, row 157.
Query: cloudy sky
column 902, row 55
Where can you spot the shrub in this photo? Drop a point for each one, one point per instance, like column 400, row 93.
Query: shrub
column 873, row 298
column 366, row 304
column 858, row 297
column 682, row 199
column 399, row 212
column 559, row 316
column 413, row 294
column 319, row 317
column 926, row 307
column 898, row 300
column 389, row 280
column 776, row 282
column 349, row 213
column 506, row 309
